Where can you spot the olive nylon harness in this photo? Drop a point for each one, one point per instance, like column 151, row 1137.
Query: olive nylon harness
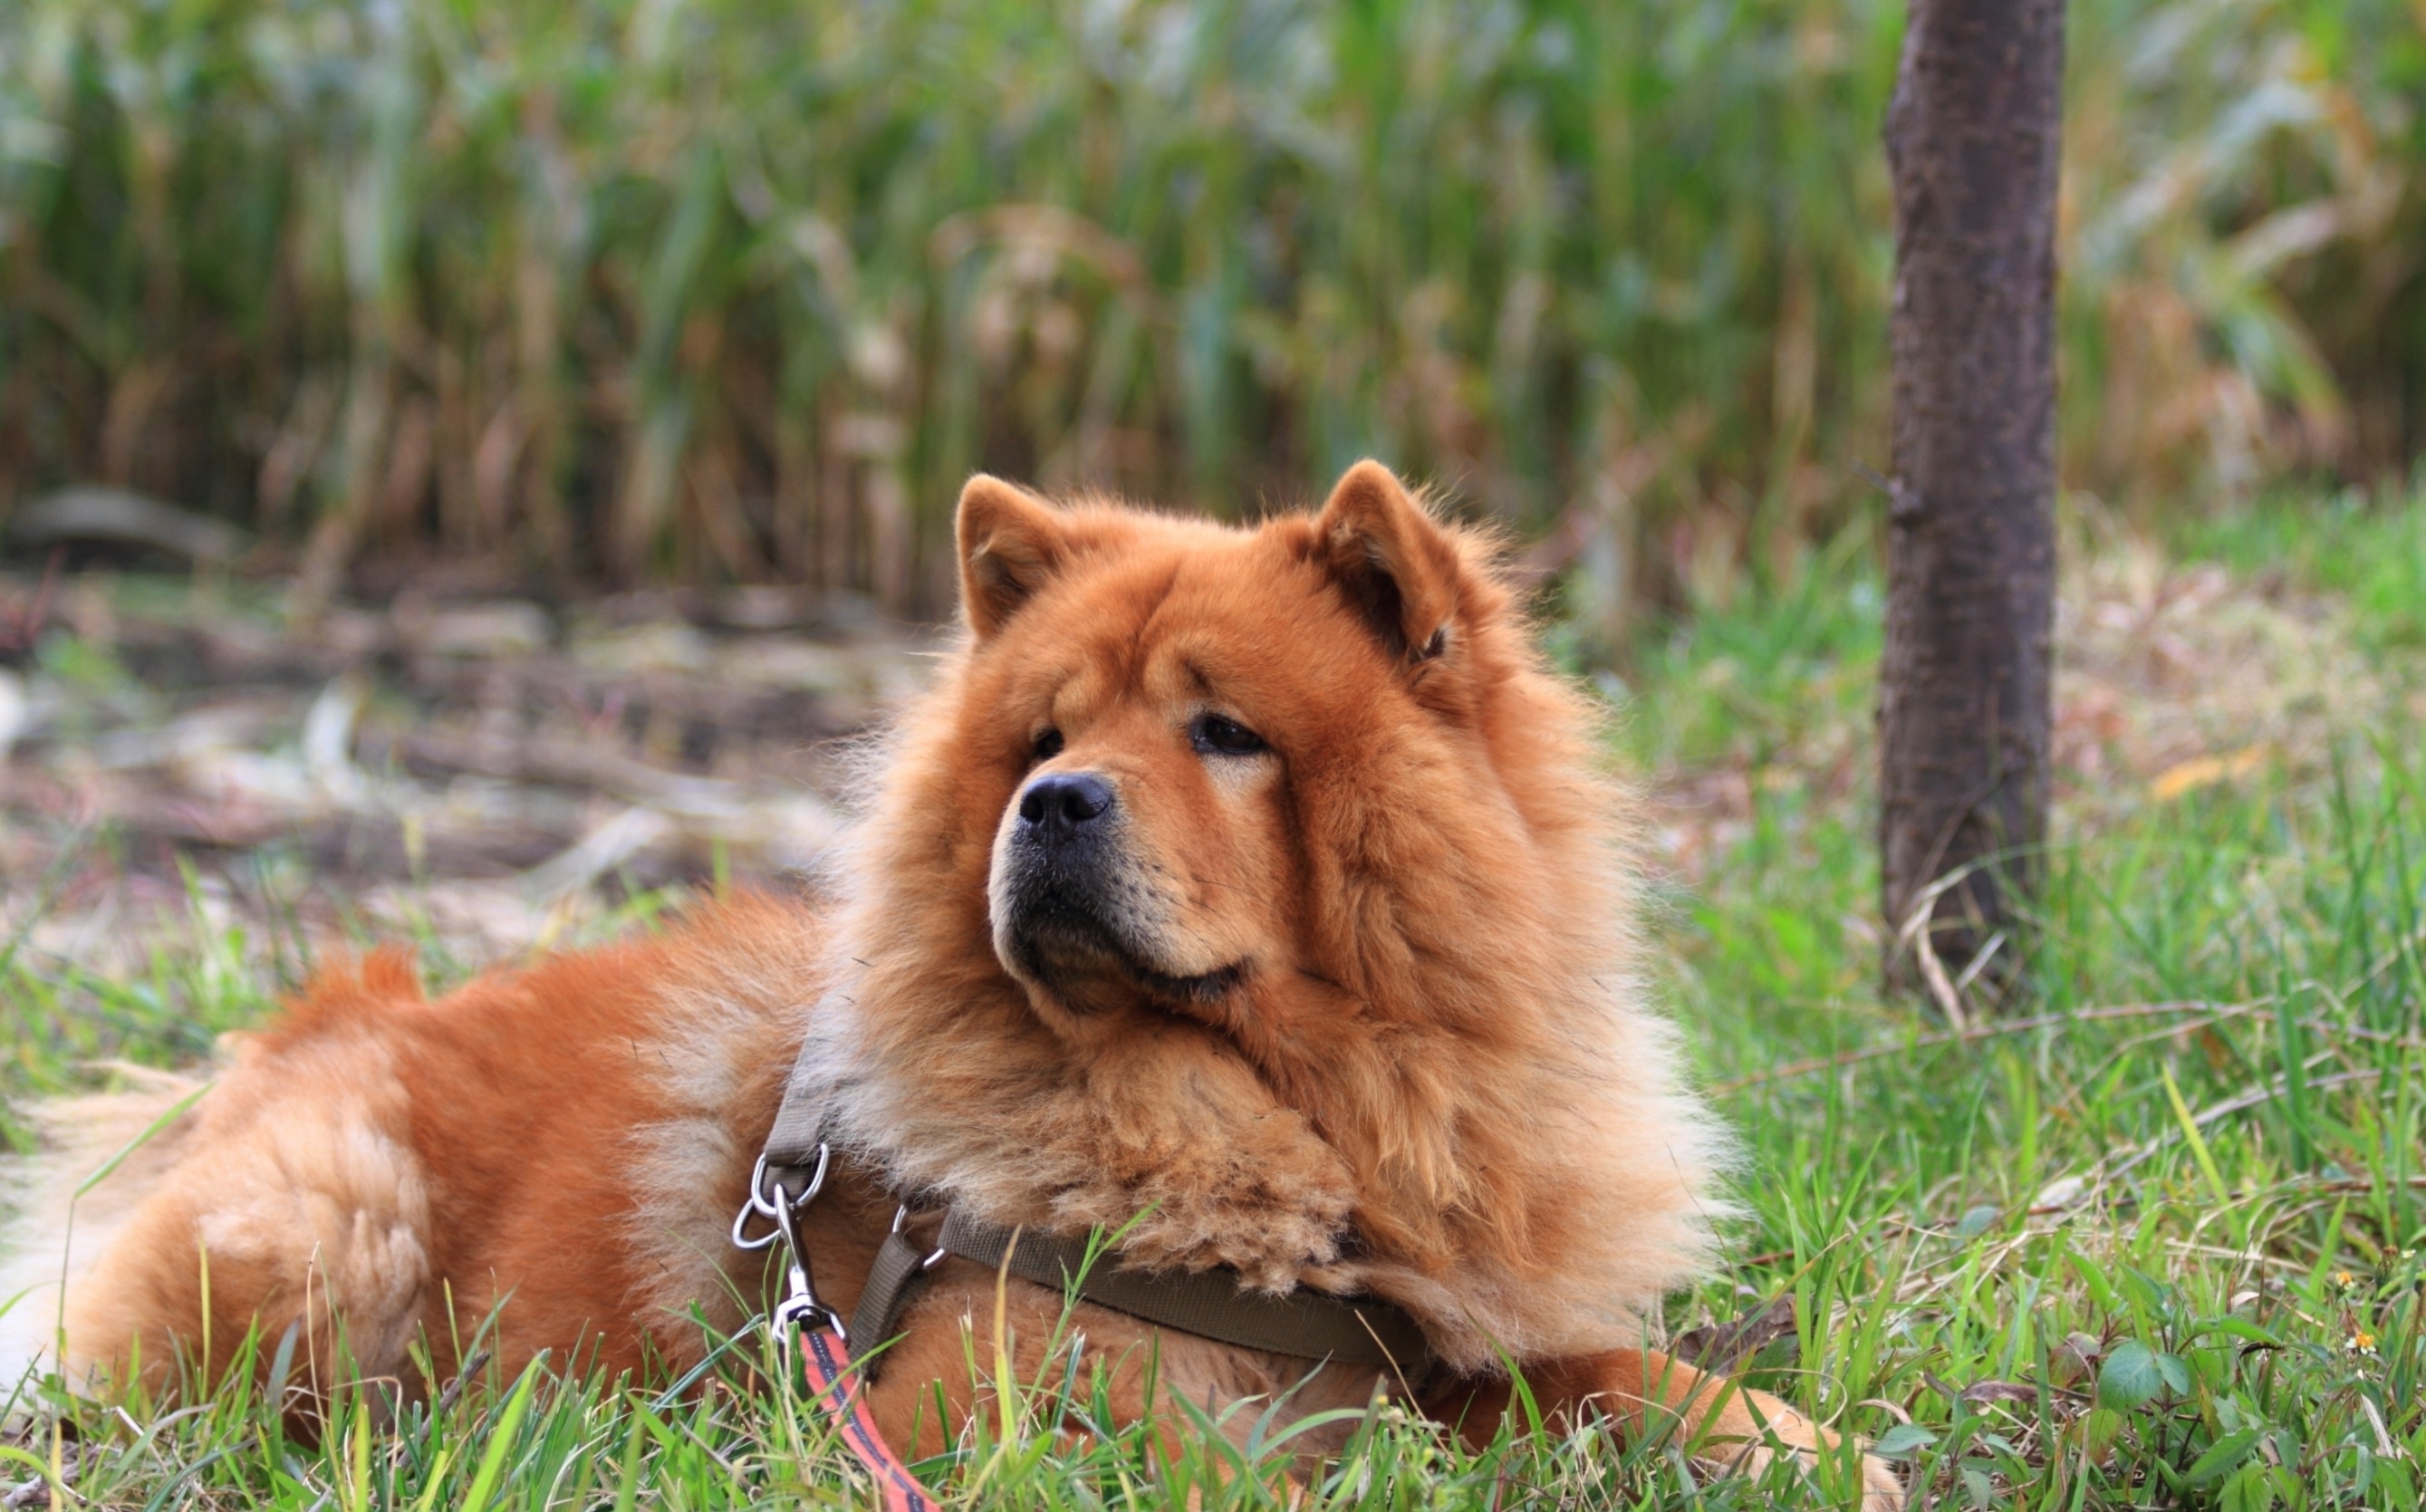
column 836, row 1354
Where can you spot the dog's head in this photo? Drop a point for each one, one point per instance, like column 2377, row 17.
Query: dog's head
column 1240, row 775
column 1283, row 826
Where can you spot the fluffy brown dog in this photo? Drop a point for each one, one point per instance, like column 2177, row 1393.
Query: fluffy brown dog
column 1249, row 888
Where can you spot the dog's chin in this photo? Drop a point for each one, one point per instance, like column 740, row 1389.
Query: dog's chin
column 1086, row 971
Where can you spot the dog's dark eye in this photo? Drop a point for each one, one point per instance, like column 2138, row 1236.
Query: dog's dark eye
column 1212, row 735
column 1048, row 744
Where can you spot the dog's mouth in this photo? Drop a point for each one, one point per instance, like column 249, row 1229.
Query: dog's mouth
column 1084, row 962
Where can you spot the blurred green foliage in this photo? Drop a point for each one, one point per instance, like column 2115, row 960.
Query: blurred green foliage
column 717, row 290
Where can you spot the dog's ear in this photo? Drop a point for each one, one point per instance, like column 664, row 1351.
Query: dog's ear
column 1010, row 542
column 1396, row 565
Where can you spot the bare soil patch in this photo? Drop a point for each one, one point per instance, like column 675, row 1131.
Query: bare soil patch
column 489, row 770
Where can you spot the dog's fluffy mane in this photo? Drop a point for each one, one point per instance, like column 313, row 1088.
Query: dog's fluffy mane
column 1523, row 1168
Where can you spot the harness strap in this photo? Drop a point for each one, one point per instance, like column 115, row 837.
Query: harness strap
column 835, row 1357
column 793, row 1146
column 1211, row 1304
column 900, row 1265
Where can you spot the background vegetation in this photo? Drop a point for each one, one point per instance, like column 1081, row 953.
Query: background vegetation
column 641, row 291
column 724, row 291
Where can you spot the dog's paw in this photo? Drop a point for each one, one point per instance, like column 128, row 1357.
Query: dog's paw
column 1778, row 1432
column 1271, row 1216
column 1882, row 1489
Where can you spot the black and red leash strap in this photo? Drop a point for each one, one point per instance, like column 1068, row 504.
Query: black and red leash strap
column 836, row 1387
column 816, row 1332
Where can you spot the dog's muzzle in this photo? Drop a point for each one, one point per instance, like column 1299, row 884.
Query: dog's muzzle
column 1072, row 912
column 1058, row 890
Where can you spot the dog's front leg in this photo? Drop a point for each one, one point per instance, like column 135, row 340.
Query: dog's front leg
column 1724, row 1425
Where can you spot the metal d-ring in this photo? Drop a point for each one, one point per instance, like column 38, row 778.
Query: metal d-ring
column 901, row 1216
column 774, row 1209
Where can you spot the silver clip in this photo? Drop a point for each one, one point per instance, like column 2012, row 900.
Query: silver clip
column 801, row 1306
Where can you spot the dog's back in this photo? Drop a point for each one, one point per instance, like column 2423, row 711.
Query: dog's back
column 549, row 1144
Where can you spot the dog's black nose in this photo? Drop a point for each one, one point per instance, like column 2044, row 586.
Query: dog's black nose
column 1060, row 805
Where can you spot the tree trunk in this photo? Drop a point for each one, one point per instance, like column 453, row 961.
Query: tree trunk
column 1972, row 139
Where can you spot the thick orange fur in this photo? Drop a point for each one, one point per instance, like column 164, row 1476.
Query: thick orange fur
column 1373, row 1023
column 409, row 1164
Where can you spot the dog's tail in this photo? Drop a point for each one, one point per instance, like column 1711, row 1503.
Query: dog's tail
column 101, row 1154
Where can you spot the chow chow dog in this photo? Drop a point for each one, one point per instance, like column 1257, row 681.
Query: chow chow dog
column 1252, row 894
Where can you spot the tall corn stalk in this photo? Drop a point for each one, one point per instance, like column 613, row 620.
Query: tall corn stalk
column 706, row 290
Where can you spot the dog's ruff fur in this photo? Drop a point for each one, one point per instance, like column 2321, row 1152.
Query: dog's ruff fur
column 1355, row 1007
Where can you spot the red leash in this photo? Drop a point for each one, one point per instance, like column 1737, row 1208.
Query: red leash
column 817, row 1331
column 834, row 1388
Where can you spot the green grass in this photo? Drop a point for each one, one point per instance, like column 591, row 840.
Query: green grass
column 2150, row 1241
column 2360, row 547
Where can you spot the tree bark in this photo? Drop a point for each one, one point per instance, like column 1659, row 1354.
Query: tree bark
column 1973, row 139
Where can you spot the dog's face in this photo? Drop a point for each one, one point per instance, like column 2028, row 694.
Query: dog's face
column 1203, row 736
column 1144, row 851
